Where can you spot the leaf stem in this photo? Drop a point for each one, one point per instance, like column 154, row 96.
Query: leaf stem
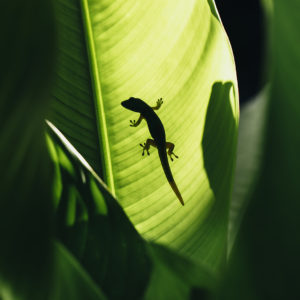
column 98, row 99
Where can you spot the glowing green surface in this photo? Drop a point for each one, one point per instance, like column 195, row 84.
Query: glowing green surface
column 177, row 50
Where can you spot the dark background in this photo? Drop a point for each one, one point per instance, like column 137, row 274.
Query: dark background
column 243, row 22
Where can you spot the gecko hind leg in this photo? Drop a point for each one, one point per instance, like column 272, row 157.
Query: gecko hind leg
column 170, row 147
column 147, row 145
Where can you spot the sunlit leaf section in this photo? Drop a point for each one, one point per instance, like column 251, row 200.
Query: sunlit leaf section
column 176, row 50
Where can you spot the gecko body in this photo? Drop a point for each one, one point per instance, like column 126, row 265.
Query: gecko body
column 158, row 134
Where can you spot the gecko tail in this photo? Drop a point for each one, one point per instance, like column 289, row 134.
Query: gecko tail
column 176, row 191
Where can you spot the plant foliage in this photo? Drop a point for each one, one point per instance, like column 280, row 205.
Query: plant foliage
column 109, row 51
column 83, row 215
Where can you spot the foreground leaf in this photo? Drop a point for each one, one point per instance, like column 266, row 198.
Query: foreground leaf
column 265, row 262
column 70, row 280
column 109, row 51
column 26, row 59
column 249, row 156
column 174, row 277
column 96, row 230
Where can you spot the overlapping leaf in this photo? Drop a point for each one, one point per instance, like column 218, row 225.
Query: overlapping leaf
column 249, row 156
column 70, row 280
column 111, row 50
column 109, row 253
column 265, row 261
column 26, row 59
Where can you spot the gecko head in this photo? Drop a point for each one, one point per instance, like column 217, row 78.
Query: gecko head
column 133, row 104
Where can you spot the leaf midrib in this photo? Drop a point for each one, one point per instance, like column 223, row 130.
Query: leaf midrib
column 103, row 142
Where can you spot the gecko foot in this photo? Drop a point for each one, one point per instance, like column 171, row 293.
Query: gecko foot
column 133, row 123
column 172, row 153
column 159, row 102
column 145, row 148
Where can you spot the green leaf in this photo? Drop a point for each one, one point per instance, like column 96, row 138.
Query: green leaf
column 70, row 281
column 109, row 51
column 174, row 277
column 249, row 156
column 265, row 260
column 26, row 59
column 96, row 230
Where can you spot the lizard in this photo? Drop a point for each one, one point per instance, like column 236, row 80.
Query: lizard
column 158, row 134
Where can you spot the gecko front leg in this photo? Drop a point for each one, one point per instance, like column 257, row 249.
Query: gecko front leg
column 159, row 103
column 134, row 123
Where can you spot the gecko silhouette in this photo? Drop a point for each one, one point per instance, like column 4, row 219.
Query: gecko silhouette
column 158, row 134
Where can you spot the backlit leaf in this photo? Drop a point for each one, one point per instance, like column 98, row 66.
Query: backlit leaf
column 111, row 50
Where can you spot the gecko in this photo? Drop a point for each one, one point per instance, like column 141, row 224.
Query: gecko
column 158, row 134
